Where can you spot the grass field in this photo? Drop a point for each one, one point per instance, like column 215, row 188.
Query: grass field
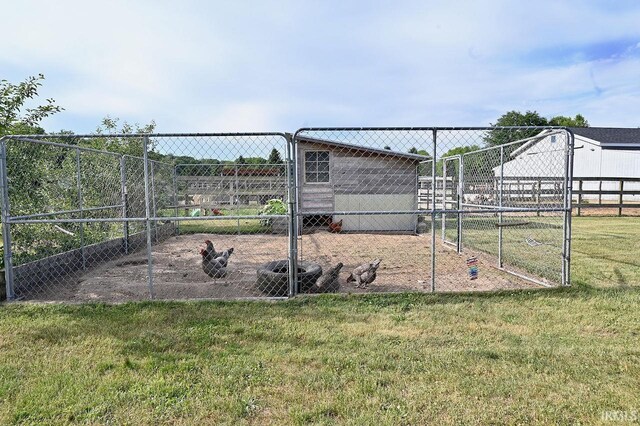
column 231, row 226
column 606, row 251
column 551, row 356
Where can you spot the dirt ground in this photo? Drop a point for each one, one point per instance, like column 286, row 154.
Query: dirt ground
column 178, row 274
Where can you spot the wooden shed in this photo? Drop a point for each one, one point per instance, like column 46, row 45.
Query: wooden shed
column 341, row 177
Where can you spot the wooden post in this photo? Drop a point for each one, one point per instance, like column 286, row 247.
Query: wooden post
column 600, row 193
column 579, row 195
column 620, row 198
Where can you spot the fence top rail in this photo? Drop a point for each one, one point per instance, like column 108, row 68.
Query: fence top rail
column 62, row 145
column 544, row 179
column 452, row 128
column 78, row 148
column 231, row 164
column 147, row 135
column 555, row 131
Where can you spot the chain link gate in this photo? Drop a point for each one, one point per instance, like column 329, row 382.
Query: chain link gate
column 128, row 217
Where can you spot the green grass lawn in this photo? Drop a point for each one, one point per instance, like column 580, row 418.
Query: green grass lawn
column 231, row 226
column 555, row 356
column 606, row 251
column 550, row 356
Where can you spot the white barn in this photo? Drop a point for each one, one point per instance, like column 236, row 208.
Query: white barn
column 599, row 152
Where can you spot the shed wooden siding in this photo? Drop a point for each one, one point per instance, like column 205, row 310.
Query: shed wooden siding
column 355, row 172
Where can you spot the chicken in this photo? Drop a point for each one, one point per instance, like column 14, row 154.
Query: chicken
column 223, row 258
column 209, row 252
column 217, row 212
column 215, row 264
column 364, row 274
column 328, row 282
column 335, row 227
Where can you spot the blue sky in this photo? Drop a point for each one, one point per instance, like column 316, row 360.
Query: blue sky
column 196, row 66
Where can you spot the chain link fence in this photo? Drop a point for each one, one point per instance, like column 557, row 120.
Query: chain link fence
column 271, row 215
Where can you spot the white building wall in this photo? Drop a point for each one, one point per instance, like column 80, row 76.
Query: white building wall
column 545, row 158
column 589, row 160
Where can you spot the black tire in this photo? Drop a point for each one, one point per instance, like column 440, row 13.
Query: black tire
column 273, row 277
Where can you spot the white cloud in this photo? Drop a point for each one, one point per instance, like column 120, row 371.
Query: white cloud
column 221, row 66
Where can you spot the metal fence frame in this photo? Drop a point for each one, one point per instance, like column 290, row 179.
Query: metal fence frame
column 565, row 210
column 293, row 214
column 460, row 210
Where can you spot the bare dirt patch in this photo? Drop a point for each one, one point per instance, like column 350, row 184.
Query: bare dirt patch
column 406, row 266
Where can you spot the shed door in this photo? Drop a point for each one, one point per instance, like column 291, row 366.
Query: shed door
column 376, row 202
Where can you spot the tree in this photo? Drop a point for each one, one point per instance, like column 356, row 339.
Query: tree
column 452, row 169
column 110, row 126
column 529, row 118
column 241, row 160
column 37, row 171
column 461, row 150
column 577, row 121
column 413, row 150
column 387, row 147
column 514, row 118
column 274, row 157
column 255, row 160
column 13, row 98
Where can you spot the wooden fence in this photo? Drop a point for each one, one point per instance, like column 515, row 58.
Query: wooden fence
column 588, row 192
column 616, row 193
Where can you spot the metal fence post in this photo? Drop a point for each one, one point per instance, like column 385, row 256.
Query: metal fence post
column 6, row 226
column 125, row 210
column 147, row 209
column 175, row 198
column 433, row 213
column 501, row 183
column 154, row 213
column 460, row 201
column 293, row 228
column 80, row 203
column 568, row 196
column 444, row 197
column 236, row 200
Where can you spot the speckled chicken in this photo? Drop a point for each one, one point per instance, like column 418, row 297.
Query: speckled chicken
column 215, row 264
column 328, row 282
column 209, row 252
column 364, row 274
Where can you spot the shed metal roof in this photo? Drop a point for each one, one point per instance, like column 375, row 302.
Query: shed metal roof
column 382, row 152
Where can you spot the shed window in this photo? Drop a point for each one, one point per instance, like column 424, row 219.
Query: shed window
column 316, row 166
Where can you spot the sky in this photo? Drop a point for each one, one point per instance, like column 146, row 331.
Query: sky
column 237, row 66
